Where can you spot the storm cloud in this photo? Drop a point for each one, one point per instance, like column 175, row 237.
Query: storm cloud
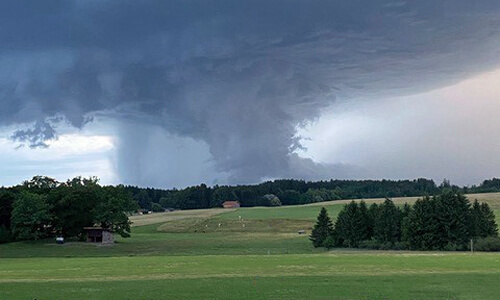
column 239, row 77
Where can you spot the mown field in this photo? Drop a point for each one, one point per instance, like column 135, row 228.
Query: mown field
column 247, row 253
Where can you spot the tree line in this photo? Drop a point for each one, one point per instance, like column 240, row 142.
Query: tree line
column 287, row 191
column 65, row 208
column 42, row 208
column 447, row 221
column 293, row 192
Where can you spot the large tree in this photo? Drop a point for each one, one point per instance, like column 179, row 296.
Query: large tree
column 82, row 203
column 368, row 222
column 72, row 207
column 322, row 229
column 405, row 224
column 453, row 217
column 482, row 221
column 30, row 217
column 111, row 211
column 351, row 226
column 387, row 227
column 422, row 225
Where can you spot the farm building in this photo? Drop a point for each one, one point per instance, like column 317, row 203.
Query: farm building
column 231, row 204
column 99, row 235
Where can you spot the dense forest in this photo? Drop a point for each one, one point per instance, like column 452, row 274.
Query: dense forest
column 291, row 192
column 447, row 221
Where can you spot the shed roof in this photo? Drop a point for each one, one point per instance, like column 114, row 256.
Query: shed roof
column 231, row 202
column 96, row 228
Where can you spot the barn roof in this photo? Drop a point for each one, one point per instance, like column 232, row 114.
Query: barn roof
column 231, row 202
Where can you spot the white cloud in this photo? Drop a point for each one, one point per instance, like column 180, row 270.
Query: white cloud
column 72, row 154
column 450, row 132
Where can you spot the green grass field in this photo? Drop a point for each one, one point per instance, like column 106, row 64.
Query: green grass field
column 215, row 254
column 343, row 275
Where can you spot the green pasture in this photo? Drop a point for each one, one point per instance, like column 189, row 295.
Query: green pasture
column 301, row 212
column 335, row 275
column 245, row 253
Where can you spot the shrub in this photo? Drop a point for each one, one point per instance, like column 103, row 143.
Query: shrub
column 155, row 207
column 271, row 200
column 330, row 242
column 490, row 243
column 370, row 244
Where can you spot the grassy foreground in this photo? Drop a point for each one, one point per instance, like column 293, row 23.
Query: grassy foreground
column 342, row 275
column 249, row 253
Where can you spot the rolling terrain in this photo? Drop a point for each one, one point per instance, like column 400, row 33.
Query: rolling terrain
column 245, row 253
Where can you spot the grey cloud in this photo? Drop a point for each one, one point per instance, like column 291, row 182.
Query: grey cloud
column 239, row 76
column 37, row 136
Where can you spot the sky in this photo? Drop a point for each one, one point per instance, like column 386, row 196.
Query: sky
column 175, row 93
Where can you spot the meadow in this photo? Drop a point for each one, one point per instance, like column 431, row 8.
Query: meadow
column 246, row 253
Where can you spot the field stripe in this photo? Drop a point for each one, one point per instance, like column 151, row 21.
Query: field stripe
column 233, row 275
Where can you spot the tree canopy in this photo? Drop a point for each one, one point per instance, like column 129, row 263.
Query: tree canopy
column 43, row 207
column 443, row 222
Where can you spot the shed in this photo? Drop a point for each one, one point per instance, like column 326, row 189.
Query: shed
column 231, row 204
column 99, row 235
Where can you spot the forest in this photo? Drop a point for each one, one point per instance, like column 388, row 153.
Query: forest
column 293, row 192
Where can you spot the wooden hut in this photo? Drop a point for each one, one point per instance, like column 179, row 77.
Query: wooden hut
column 99, row 235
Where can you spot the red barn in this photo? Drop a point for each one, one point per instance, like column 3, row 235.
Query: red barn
column 231, row 204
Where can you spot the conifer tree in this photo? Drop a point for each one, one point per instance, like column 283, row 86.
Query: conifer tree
column 405, row 224
column 322, row 230
column 373, row 213
column 482, row 220
column 388, row 223
column 367, row 221
column 453, row 216
column 351, row 226
column 422, row 225
column 476, row 220
column 490, row 227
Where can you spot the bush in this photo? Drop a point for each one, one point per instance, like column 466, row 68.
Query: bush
column 155, row 207
column 370, row 244
column 333, row 241
column 271, row 200
column 491, row 243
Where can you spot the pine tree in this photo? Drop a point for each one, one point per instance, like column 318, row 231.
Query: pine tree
column 476, row 226
column 482, row 221
column 322, row 230
column 453, row 215
column 388, row 223
column 367, row 221
column 490, row 227
column 406, row 224
column 422, row 225
column 373, row 214
column 351, row 226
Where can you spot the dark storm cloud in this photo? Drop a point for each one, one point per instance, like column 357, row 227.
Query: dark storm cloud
column 37, row 136
column 238, row 75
